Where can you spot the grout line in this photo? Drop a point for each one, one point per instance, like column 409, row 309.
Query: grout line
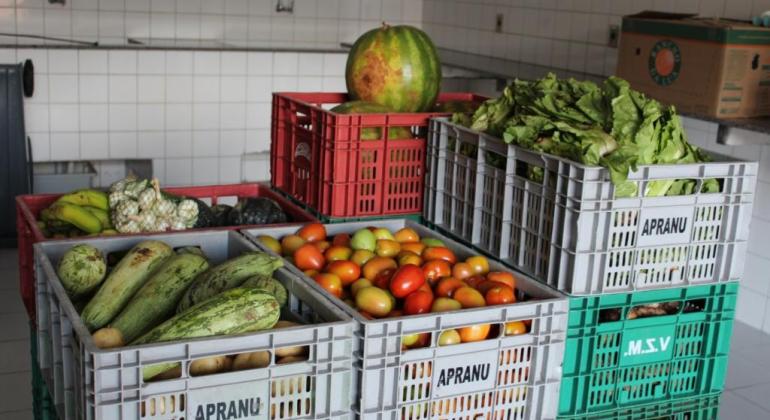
column 745, row 400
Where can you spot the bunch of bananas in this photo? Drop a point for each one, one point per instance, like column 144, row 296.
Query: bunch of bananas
column 81, row 212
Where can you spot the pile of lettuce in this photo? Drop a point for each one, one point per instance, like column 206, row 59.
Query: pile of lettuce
column 607, row 125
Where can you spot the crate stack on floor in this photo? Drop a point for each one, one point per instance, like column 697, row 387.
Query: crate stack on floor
column 652, row 280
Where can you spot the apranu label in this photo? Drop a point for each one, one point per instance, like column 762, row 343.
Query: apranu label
column 242, row 401
column 230, row 410
column 465, row 373
column 665, row 226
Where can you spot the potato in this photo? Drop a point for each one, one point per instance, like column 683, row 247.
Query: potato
column 289, row 351
column 210, row 365
column 108, row 338
column 253, row 360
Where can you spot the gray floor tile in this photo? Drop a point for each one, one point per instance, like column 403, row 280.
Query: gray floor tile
column 16, row 391
column 17, row 415
column 733, row 406
column 14, row 326
column 9, row 279
column 742, row 373
column 10, row 302
column 14, row 356
column 9, row 258
column 758, row 394
column 747, row 339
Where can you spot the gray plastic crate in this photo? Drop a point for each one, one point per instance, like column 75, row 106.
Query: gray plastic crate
column 570, row 232
column 89, row 383
column 396, row 384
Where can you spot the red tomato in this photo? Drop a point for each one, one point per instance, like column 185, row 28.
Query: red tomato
column 406, row 280
column 499, row 295
column 435, row 270
column 462, row 271
column 502, row 277
column 347, row 271
column 330, row 282
column 308, row 257
column 418, row 302
column 439, row 253
column 426, row 288
column 475, row 281
column 485, row 285
column 341, row 239
column 312, row 232
column 395, row 313
column 447, row 286
column 382, row 280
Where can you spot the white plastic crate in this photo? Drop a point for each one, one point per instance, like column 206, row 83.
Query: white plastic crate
column 89, row 383
column 394, row 384
column 570, row 232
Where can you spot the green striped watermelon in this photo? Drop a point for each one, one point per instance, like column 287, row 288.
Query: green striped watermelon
column 372, row 133
column 394, row 66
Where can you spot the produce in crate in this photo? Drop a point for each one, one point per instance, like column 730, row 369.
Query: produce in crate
column 138, row 205
column 372, row 133
column 77, row 213
column 81, row 270
column 394, row 66
column 608, row 125
column 256, row 211
column 389, row 274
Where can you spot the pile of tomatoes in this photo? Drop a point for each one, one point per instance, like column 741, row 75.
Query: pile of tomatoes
column 385, row 274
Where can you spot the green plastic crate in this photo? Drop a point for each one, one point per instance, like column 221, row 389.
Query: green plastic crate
column 698, row 408
column 614, row 365
column 42, row 404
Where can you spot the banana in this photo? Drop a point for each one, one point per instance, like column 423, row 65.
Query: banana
column 45, row 215
column 76, row 216
column 109, row 232
column 100, row 214
column 87, row 197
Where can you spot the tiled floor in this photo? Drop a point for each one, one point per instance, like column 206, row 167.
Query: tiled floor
column 748, row 382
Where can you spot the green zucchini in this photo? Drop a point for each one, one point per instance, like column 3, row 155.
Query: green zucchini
column 128, row 276
column 156, row 300
column 229, row 274
column 269, row 285
column 234, row 311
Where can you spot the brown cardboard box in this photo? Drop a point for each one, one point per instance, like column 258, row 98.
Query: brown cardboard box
column 717, row 68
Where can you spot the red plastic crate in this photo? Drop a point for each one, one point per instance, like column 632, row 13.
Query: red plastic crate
column 28, row 209
column 318, row 157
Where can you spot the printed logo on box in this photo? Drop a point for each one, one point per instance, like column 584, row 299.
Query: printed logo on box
column 665, row 62
column 647, row 345
column 302, row 150
column 465, row 373
column 665, row 226
column 244, row 401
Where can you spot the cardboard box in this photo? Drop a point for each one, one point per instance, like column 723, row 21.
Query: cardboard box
column 712, row 67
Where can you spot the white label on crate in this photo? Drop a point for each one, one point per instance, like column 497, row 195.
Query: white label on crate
column 230, row 402
column 665, row 226
column 465, row 373
column 302, row 150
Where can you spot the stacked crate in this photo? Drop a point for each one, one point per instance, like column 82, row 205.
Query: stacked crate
column 610, row 255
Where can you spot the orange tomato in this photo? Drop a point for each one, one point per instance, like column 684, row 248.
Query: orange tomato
column 387, row 248
column 474, row 333
column 374, row 301
column 338, row 253
column 330, row 282
column 462, row 271
column 484, row 286
column 479, row 264
column 416, row 247
column 358, row 285
column 446, row 287
column 515, row 328
column 311, row 273
column 291, row 243
column 406, row 257
column 377, row 264
column 499, row 295
column 406, row 235
column 469, row 297
column 341, row 239
column 475, row 281
column 322, row 245
column 347, row 271
column 435, row 270
column 502, row 277
column 439, row 253
column 308, row 257
column 361, row 256
column 312, row 232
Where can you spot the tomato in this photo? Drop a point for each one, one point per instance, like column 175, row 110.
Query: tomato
column 308, row 257
column 271, row 243
column 462, row 271
column 366, row 315
column 499, row 295
column 311, row 273
column 361, row 256
column 515, row 328
column 374, row 301
column 322, row 245
column 341, row 239
column 407, row 235
column 406, row 280
column 358, row 285
column 469, row 297
column 347, row 271
column 387, row 248
column 338, row 253
column 502, row 277
column 445, row 304
column 449, row 337
column 377, row 264
column 290, row 243
column 408, row 257
column 435, row 270
column 485, row 285
column 422, row 341
column 479, row 264
column 474, row 333
column 383, row 278
column 416, row 247
column 410, row 340
column 312, row 232
column 395, row 313
column 447, row 286
column 439, row 253
column 475, row 281
column 330, row 282
column 418, row 302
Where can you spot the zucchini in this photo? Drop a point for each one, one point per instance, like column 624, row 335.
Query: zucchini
column 234, row 311
column 269, row 285
column 156, row 300
column 229, row 274
column 128, row 276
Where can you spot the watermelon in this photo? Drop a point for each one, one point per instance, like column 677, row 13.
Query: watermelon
column 372, row 133
column 394, row 66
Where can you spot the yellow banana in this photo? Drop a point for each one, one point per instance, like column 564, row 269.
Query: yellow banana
column 100, row 214
column 76, row 216
column 87, row 197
